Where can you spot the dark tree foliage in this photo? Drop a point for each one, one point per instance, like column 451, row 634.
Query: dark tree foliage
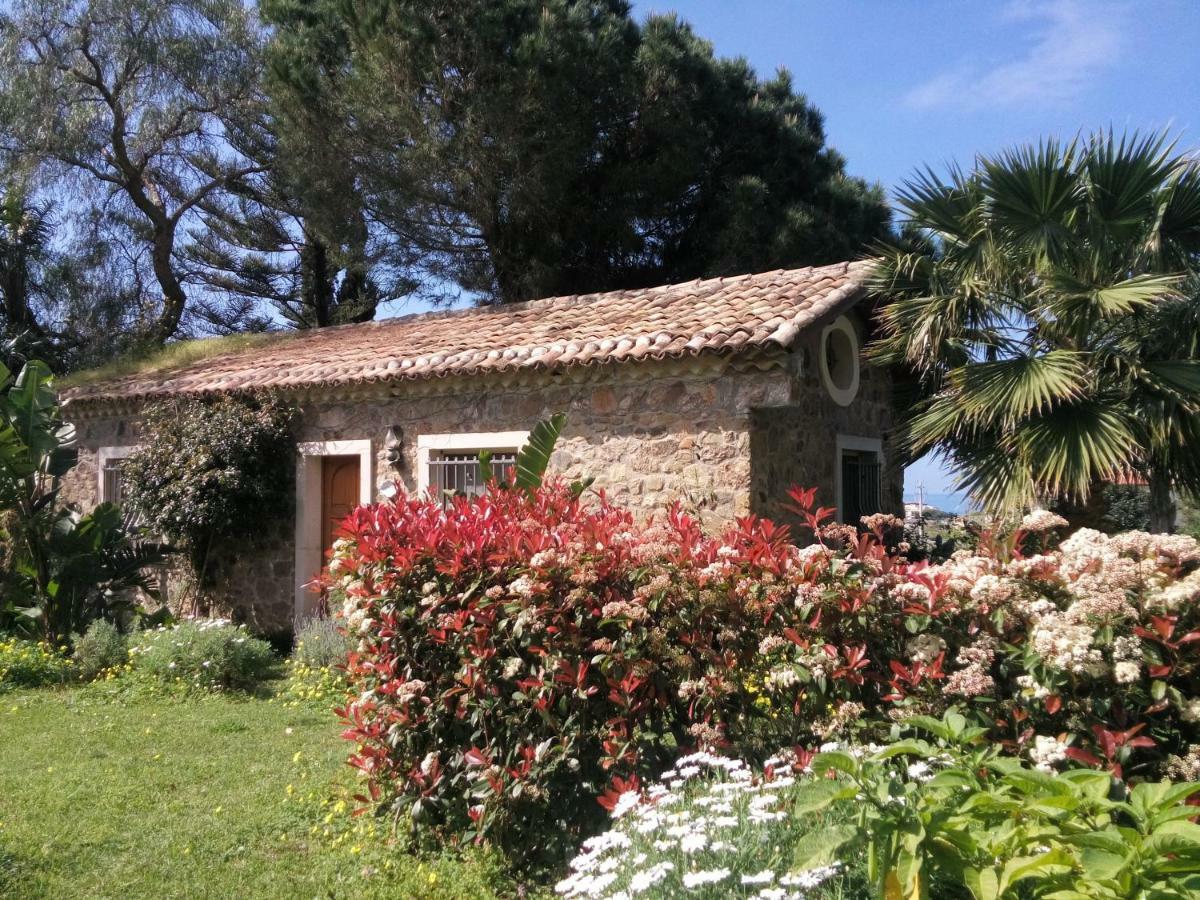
column 266, row 247
column 58, row 301
column 524, row 148
column 131, row 102
column 1126, row 508
column 209, row 171
column 210, row 469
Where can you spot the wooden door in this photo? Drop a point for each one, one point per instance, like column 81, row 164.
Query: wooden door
column 339, row 494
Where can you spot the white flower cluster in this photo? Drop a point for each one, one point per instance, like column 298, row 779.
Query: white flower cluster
column 1047, row 752
column 1067, row 646
column 1042, row 520
column 1178, row 594
column 690, row 833
column 925, row 648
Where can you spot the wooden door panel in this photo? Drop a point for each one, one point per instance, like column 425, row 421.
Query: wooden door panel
column 339, row 493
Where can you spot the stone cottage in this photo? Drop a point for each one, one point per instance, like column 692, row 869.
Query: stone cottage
column 720, row 393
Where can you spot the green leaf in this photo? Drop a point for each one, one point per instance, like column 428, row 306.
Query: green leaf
column 823, row 847
column 818, row 795
column 936, row 727
column 1149, row 797
column 1092, row 785
column 1178, row 838
column 1110, row 841
column 485, row 466
column 984, row 884
column 909, row 747
column 534, row 457
column 834, row 760
column 1053, row 862
column 1010, row 390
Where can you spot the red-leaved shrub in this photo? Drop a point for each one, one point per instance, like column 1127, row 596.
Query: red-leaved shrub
column 520, row 654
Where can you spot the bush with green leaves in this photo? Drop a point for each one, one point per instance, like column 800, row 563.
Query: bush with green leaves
column 26, row 663
column 102, row 648
column 322, row 642
column 943, row 816
column 62, row 568
column 207, row 469
column 208, row 654
column 1126, row 507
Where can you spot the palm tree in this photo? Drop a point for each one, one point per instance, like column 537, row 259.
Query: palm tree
column 24, row 245
column 1044, row 304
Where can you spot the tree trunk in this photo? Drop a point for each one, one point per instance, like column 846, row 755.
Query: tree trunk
column 174, row 298
column 1162, row 504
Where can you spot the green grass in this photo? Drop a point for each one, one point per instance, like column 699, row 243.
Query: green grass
column 172, row 356
column 190, row 798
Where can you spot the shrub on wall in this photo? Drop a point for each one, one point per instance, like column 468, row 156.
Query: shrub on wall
column 520, row 649
column 208, row 468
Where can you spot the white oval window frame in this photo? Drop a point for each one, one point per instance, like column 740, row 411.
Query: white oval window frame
column 842, row 396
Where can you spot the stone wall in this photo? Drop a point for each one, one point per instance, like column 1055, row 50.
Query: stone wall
column 723, row 435
column 795, row 444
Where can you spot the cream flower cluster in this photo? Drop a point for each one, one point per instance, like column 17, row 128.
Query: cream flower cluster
column 691, row 832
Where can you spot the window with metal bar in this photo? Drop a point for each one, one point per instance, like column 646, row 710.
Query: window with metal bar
column 459, row 474
column 860, row 486
column 114, row 487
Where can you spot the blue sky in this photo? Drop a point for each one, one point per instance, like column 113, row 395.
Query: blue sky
column 926, row 82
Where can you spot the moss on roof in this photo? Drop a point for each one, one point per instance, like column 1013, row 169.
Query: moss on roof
column 172, row 356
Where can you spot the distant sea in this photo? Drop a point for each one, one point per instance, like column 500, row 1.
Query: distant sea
column 951, row 501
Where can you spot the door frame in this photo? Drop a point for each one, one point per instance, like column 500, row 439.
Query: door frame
column 309, row 509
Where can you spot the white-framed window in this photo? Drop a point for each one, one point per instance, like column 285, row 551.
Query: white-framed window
column 838, row 360
column 110, row 487
column 449, row 463
column 858, row 478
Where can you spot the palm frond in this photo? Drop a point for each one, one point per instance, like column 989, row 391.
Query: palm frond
column 1074, row 446
column 1124, row 178
column 1077, row 304
column 1177, row 237
column 993, row 476
column 949, row 210
column 1033, row 197
column 1008, row 390
column 1178, row 377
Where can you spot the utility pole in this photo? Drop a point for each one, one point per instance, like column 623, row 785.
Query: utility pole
column 921, row 508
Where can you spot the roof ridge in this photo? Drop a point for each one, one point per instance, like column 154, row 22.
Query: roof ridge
column 724, row 313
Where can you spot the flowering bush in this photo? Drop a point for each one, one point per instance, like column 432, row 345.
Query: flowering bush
column 99, row 650
column 322, row 643
column 714, row 827
column 519, row 649
column 25, row 663
column 947, row 818
column 209, row 654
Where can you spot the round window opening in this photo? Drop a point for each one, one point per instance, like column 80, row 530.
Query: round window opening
column 839, row 361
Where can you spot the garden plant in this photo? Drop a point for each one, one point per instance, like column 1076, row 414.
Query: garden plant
column 523, row 649
column 62, row 568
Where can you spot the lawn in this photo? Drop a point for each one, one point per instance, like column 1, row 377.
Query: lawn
column 211, row 797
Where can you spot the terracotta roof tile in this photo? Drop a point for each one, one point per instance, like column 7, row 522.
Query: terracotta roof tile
column 720, row 314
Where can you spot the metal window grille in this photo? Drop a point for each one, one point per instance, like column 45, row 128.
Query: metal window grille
column 114, row 487
column 860, row 487
column 455, row 474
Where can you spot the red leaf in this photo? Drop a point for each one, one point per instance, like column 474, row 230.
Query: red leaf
column 1084, row 757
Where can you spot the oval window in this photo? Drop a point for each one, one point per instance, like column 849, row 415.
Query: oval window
column 839, row 360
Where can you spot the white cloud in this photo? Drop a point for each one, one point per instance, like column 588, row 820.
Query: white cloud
column 1064, row 44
